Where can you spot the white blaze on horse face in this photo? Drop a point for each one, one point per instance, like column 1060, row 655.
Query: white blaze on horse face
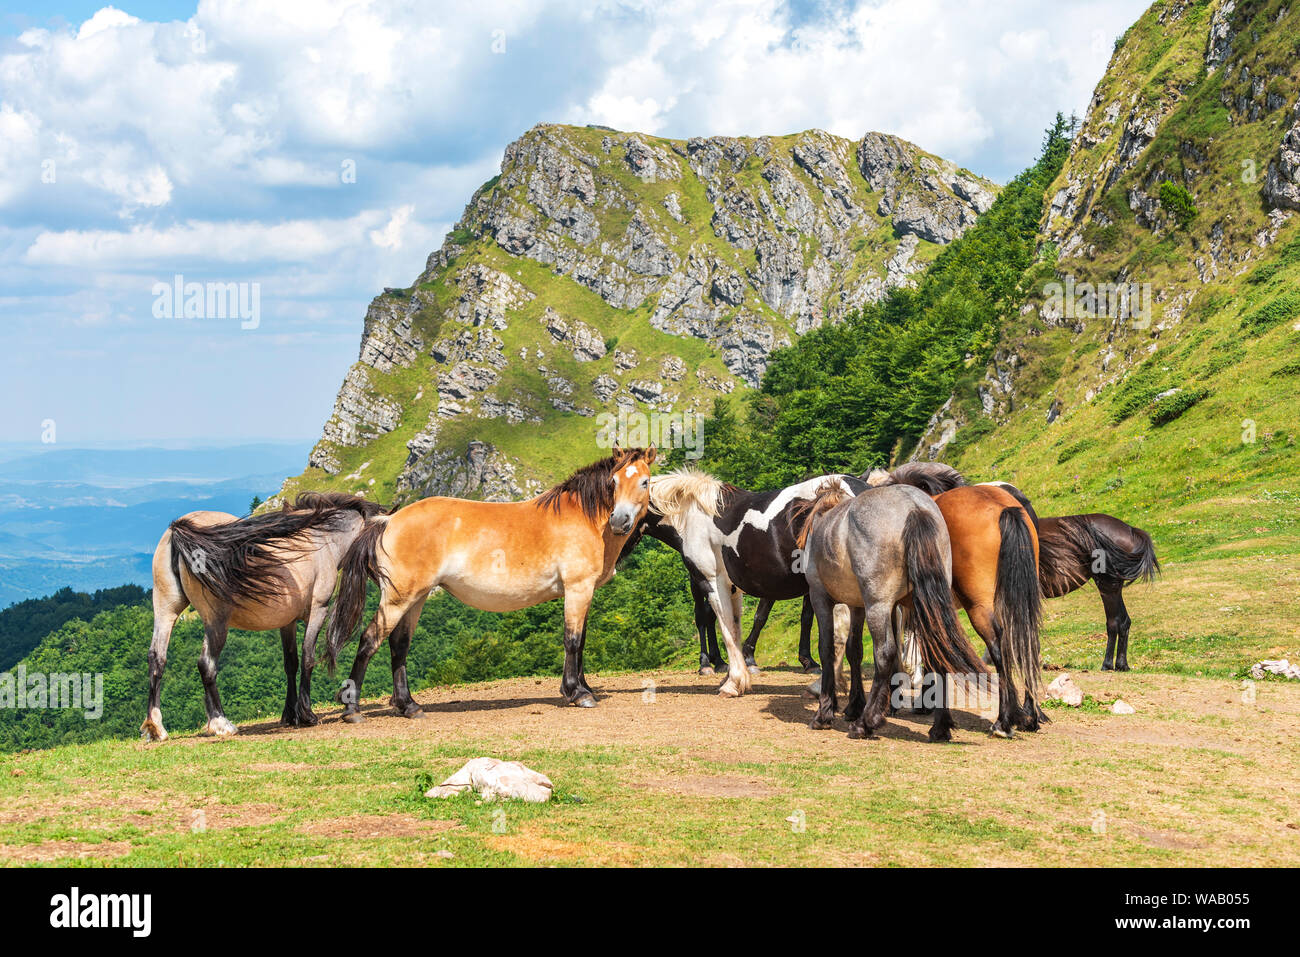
column 626, row 511
column 761, row 520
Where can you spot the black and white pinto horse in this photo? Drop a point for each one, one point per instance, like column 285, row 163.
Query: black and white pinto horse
column 736, row 542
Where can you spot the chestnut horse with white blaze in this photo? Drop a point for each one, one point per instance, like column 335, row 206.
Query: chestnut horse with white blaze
column 496, row 556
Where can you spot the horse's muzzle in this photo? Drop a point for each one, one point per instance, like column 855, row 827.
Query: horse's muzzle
column 622, row 521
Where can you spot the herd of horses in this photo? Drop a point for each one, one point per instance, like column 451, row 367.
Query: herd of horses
column 902, row 551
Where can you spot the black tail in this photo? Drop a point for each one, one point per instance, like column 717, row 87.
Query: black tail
column 360, row 565
column 944, row 645
column 1017, row 602
column 1135, row 561
column 235, row 561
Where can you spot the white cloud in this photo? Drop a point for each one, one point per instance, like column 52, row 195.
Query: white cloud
column 228, row 242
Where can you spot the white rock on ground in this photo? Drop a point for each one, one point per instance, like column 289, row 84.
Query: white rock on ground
column 1065, row 690
column 1121, row 707
column 496, row 779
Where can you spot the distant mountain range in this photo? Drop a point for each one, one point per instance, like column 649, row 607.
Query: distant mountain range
column 90, row 518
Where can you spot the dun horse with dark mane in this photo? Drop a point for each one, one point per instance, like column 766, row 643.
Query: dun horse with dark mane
column 497, row 556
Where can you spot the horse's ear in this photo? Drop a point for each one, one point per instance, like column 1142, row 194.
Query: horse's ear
column 617, row 452
column 650, row 454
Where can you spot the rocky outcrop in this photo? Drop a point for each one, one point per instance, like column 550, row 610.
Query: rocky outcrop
column 741, row 243
column 1282, row 182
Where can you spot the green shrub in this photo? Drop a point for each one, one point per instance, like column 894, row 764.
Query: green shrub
column 1172, row 406
column 1178, row 202
column 1070, row 451
column 1274, row 312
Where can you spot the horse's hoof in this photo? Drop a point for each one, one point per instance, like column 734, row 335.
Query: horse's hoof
column 307, row 719
column 809, row 666
column 414, row 714
column 586, row 701
column 1122, row 667
column 817, row 724
column 149, row 731
column 354, row 717
column 940, row 736
column 859, row 733
column 707, row 671
column 1005, row 733
column 753, row 669
column 731, row 688
column 221, row 727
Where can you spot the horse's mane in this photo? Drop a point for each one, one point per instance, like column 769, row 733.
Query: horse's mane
column 932, row 478
column 676, row 491
column 590, row 485
column 806, row 511
column 335, row 500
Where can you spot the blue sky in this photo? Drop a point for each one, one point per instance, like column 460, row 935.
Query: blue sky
column 150, row 140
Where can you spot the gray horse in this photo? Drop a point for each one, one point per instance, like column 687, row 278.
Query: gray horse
column 266, row 572
column 884, row 550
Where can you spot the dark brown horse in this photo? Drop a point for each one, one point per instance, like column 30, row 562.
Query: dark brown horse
column 1074, row 548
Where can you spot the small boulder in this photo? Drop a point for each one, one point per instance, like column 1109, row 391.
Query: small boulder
column 1064, row 689
column 1122, row 707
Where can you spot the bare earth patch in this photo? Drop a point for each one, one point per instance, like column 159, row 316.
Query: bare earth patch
column 377, row 825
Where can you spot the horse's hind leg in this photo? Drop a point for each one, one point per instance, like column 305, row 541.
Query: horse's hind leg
column 879, row 620
column 214, row 639
column 1117, row 625
column 988, row 628
column 806, row 660
column 398, row 645
column 751, row 643
column 824, row 609
column 168, row 603
column 305, row 716
column 705, row 620
column 386, row 619
column 853, row 649
column 289, row 641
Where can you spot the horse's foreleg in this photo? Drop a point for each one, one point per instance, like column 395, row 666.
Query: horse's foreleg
column 573, row 684
column 751, row 643
column 806, row 660
column 725, row 603
column 306, row 717
column 289, row 641
column 398, row 646
column 705, row 625
column 214, row 639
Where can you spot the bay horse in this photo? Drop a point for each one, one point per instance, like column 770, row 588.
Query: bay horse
column 268, row 572
column 736, row 541
column 1071, row 550
column 495, row 556
column 885, row 553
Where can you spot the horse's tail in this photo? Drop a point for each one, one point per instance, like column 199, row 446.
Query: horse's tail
column 1017, row 602
column 944, row 645
column 238, row 561
column 360, row 564
column 1127, row 563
